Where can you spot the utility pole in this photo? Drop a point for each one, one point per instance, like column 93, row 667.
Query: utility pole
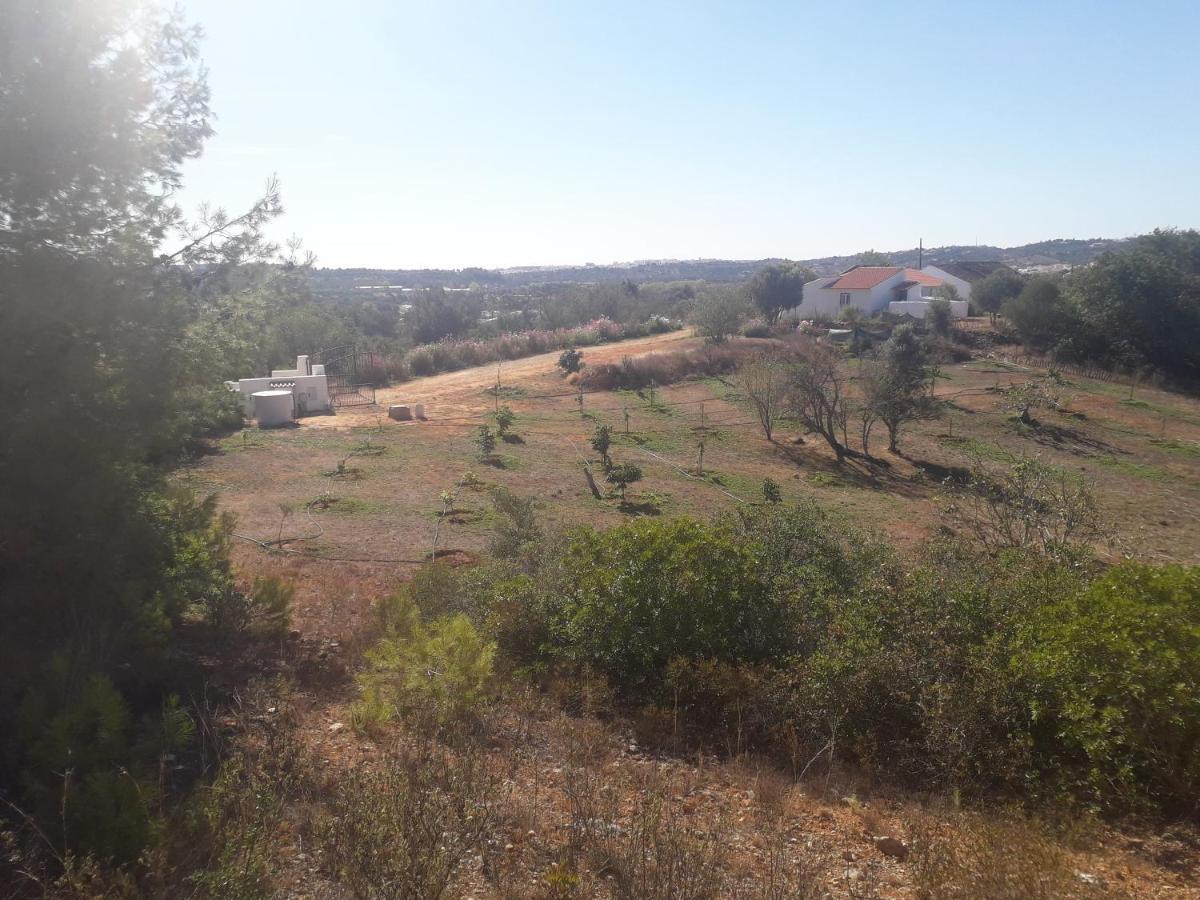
column 921, row 253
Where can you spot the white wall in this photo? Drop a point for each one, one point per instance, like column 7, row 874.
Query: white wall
column 820, row 301
column 311, row 391
column 963, row 287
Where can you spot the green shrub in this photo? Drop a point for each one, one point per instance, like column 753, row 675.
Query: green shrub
column 505, row 418
column 516, row 528
column 440, row 669
column 271, row 606
column 642, row 594
column 1115, row 673
column 570, row 360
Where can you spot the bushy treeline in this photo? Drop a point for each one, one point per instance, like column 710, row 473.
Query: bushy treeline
column 450, row 355
column 781, row 630
column 1136, row 308
column 395, row 322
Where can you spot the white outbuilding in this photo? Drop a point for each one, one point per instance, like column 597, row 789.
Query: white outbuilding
column 303, row 390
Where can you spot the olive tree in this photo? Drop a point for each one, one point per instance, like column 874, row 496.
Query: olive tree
column 716, row 316
column 777, row 288
column 893, row 386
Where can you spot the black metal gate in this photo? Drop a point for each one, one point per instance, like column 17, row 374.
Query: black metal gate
column 351, row 374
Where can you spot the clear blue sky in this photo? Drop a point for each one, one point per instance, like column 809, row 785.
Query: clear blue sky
column 495, row 134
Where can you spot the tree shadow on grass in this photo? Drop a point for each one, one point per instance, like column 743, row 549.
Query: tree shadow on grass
column 639, row 508
column 857, row 470
column 512, row 439
column 956, row 475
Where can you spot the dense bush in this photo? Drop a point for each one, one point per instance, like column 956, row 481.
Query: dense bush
column 779, row 629
column 1114, row 675
column 439, row 668
column 646, row 593
column 637, row 372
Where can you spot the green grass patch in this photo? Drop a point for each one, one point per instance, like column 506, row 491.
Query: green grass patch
column 974, row 447
column 825, row 479
column 1135, row 469
column 1183, row 448
column 349, row 506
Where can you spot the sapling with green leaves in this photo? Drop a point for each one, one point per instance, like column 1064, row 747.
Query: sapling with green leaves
column 621, row 475
column 485, row 440
column 505, row 418
column 601, row 442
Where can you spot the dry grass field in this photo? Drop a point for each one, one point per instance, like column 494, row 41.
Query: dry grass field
column 362, row 495
column 1139, row 450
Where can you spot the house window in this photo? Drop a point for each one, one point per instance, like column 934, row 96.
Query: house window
column 926, row 292
column 844, row 299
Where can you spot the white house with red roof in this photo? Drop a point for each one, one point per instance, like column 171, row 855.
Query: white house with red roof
column 874, row 289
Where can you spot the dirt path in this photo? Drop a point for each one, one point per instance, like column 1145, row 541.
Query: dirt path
column 461, row 393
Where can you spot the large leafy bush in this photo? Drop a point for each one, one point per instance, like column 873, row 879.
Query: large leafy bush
column 1115, row 679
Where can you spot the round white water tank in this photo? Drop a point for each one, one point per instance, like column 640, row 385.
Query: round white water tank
column 273, row 408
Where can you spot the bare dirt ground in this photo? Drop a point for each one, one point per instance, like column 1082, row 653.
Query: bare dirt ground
column 460, row 393
column 361, row 495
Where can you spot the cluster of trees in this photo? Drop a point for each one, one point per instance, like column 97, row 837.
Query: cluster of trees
column 1135, row 308
column 393, row 320
column 118, row 318
column 807, row 381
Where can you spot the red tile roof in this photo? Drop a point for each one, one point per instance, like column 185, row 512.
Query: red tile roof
column 863, row 278
column 918, row 277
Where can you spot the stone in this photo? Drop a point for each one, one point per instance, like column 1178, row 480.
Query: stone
column 336, row 727
column 400, row 412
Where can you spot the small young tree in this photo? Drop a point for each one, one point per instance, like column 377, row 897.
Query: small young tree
column 894, row 385
column 570, row 360
column 940, row 315
column 763, row 378
column 817, row 396
column 601, row 441
column 771, row 492
column 505, row 418
column 1026, row 396
column 516, row 524
column 621, row 475
column 485, row 440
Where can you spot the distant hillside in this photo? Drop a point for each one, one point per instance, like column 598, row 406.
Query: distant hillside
column 1058, row 252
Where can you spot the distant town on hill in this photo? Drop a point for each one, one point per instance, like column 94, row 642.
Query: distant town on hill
column 1054, row 254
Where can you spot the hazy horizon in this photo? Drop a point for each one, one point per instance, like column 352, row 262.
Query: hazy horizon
column 573, row 264
column 408, row 136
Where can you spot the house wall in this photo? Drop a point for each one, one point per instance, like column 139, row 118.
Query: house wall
column 820, row 301
column 914, row 292
column 963, row 287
